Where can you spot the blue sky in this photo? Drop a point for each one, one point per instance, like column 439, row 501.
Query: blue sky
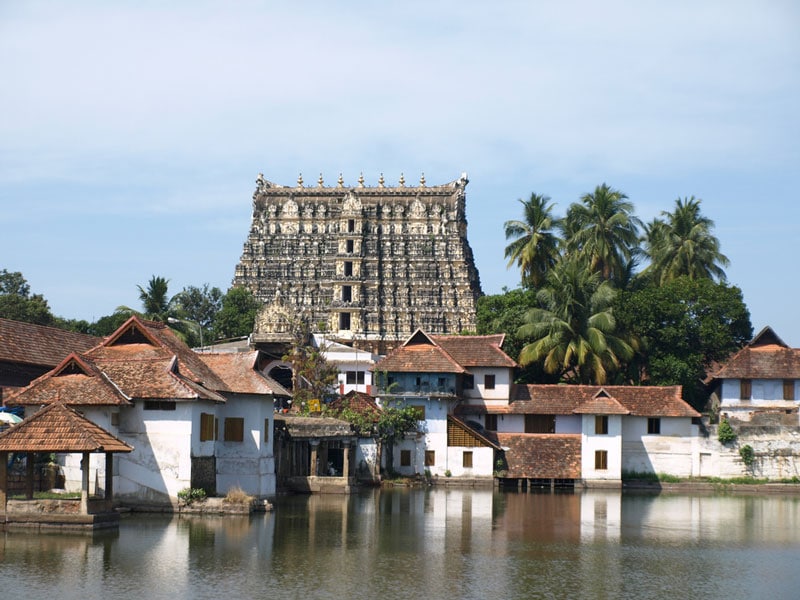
column 132, row 132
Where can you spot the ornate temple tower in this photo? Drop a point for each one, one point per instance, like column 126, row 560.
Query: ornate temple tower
column 365, row 265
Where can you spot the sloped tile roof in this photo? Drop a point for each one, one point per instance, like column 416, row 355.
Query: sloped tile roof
column 153, row 378
column 141, row 339
column 74, row 381
column 57, row 428
column 238, row 371
column 649, row 401
column 766, row 357
column 31, row 344
column 419, row 358
column 358, row 402
column 475, row 350
column 545, row 456
column 601, row 404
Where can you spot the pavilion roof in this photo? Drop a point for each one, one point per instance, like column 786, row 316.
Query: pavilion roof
column 58, row 428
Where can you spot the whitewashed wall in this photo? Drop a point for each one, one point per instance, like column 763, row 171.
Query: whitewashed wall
column 610, row 442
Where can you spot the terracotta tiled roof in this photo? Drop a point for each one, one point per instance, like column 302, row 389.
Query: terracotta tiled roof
column 31, row 344
column 475, row 350
column 601, row 404
column 358, row 402
column 140, row 339
column 238, row 371
column 57, row 428
column 74, row 381
column 649, row 401
column 419, row 354
column 154, row 378
column 766, row 357
column 546, row 456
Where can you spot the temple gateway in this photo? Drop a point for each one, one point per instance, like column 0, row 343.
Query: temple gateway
column 365, row 265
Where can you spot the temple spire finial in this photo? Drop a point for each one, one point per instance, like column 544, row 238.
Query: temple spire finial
column 361, row 179
column 340, row 182
column 402, row 180
column 300, row 180
column 381, row 181
column 320, row 182
column 422, row 180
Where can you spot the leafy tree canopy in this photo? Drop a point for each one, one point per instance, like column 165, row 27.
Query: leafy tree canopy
column 237, row 316
column 17, row 302
column 685, row 326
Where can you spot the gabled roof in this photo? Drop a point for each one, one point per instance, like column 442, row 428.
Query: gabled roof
column 476, row 350
column 358, row 402
column 238, row 371
column 74, row 381
column 57, row 428
column 601, row 404
column 560, row 399
column 766, row 357
column 138, row 339
column 419, row 354
column 30, row 344
column 141, row 360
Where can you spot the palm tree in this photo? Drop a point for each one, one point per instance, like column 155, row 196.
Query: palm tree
column 603, row 232
column 157, row 304
column 574, row 332
column 683, row 245
column 535, row 248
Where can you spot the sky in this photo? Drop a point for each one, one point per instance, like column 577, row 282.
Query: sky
column 131, row 133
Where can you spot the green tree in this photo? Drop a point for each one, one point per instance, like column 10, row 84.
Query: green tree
column 603, row 232
column 573, row 332
column 685, row 326
column 535, row 247
column 156, row 303
column 237, row 316
column 313, row 377
column 17, row 302
column 198, row 307
column 683, row 245
column 505, row 313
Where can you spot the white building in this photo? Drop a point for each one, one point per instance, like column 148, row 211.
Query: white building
column 199, row 421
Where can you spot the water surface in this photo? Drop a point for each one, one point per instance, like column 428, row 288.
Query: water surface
column 431, row 543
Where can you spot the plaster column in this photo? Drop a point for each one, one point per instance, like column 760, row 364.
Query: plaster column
column 346, row 461
column 314, row 447
column 85, row 484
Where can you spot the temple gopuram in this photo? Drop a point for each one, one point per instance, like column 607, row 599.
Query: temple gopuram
column 366, row 265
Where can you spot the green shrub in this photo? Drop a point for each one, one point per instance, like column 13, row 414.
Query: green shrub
column 447, row 473
column 725, row 433
column 238, row 496
column 748, row 454
column 189, row 495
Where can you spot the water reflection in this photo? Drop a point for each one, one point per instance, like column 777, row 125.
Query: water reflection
column 433, row 543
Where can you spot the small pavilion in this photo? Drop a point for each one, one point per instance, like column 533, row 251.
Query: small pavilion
column 56, row 428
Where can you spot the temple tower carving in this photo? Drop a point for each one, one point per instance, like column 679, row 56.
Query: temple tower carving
column 367, row 265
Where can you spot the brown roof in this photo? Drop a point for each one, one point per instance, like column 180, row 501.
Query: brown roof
column 560, row 399
column 311, row 427
column 765, row 357
column 475, row 350
column 58, row 428
column 40, row 345
column 358, row 402
column 74, row 381
column 140, row 339
column 238, row 371
column 461, row 434
column 546, row 456
column 141, row 359
column 419, row 354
